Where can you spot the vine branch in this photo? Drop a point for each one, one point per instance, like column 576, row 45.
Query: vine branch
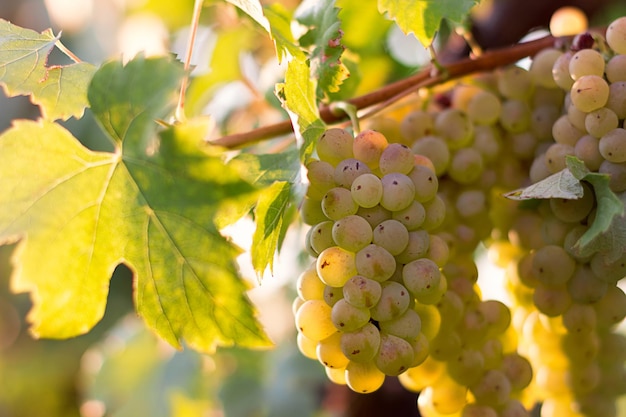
column 394, row 91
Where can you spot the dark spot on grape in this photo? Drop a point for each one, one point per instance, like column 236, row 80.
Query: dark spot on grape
column 341, row 324
column 358, row 166
column 324, row 264
column 356, row 352
column 395, row 183
column 402, row 293
column 358, row 187
column 367, row 255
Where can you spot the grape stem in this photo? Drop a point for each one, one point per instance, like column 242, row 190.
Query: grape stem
column 390, row 93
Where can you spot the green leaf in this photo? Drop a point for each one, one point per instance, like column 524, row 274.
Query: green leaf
column 423, row 17
column 324, row 40
column 263, row 170
column 297, row 94
column 280, row 29
column 253, row 9
column 151, row 205
column 59, row 91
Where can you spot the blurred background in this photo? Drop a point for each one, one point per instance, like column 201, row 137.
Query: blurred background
column 121, row 369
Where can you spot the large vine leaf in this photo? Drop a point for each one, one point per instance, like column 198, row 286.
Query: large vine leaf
column 324, row 41
column 59, row 91
column 423, row 17
column 151, row 205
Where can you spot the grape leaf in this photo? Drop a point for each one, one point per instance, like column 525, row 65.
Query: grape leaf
column 151, row 205
column 324, row 41
column 423, row 17
column 560, row 185
column 253, row 9
column 278, row 174
column 59, row 91
column 297, row 95
column 280, row 30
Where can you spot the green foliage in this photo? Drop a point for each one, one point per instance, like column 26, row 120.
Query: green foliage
column 151, row 205
column 60, row 91
column 423, row 17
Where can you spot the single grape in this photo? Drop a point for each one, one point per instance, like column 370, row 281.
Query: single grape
column 589, row 93
column 616, row 68
column 306, row 346
column 515, row 116
column 374, row 215
column 336, row 375
column 568, row 20
column 348, row 318
column 560, row 71
column 580, row 318
column 398, row 191
column 515, row 82
column 551, row 301
column 541, row 67
column 352, row 233
column 425, row 182
column 367, row 190
column 435, row 213
column 338, row 203
column 375, row 262
column 435, row 149
column 416, row 124
column 335, row 266
column 555, row 156
column 364, row 377
column 332, row 295
column 467, row 368
column 476, row 410
column 573, row 211
column 309, row 285
column 395, row 355
column 601, row 121
column 391, row 235
column 587, row 149
column 586, row 62
column 466, row 166
column 368, row 146
column 361, row 345
column 616, row 35
column 394, row 301
column 455, row 127
column 328, row 352
column 445, row 346
column 311, row 211
column 564, row 132
column 492, row 389
column 612, row 145
column 313, row 320
column 617, row 99
column 470, row 203
column 406, row 326
column 347, row 170
column 334, row 146
column 411, row 217
column 421, row 277
column 362, row 292
column 518, row 371
column 396, row 157
column 617, row 175
column 321, row 178
column 484, row 107
column 542, row 119
column 585, row 287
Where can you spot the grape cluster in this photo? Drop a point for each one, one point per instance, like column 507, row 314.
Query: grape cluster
column 398, row 211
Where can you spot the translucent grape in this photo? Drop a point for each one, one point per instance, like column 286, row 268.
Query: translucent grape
column 586, row 62
column 394, row 301
column 580, row 318
column 589, row 93
column 492, row 389
column 435, row 149
column 484, row 108
column 374, row 215
column 421, row 277
column 361, row 345
column 309, row 285
column 416, row 124
column 515, row 82
column 617, row 175
column 411, row 217
column 471, row 203
column 328, row 352
column 616, row 35
column 375, row 262
column 398, row 191
column 551, row 301
column 616, row 68
column 425, row 182
column 334, row 146
column 347, row 317
column 435, row 213
column 572, row 211
column 564, row 132
column 466, row 166
column 560, row 71
column 555, row 156
column 585, row 287
column 338, row 203
column 352, row 233
column 600, row 122
column 396, row 157
column 368, row 146
column 391, row 235
column 311, row 211
column 587, row 150
column 475, row 410
column 468, row 367
column 612, row 145
column 321, row 176
column 347, row 170
column 445, row 346
column 362, row 292
column 367, row 190
column 335, row 266
column 306, row 346
column 332, row 295
column 313, row 320
column 395, row 355
column 617, row 99
column 406, row 326
column 518, row 371
column 541, row 67
column 515, row 116
column 455, row 127
column 364, row 377
column 611, row 309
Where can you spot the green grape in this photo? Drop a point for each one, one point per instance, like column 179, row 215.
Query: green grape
column 617, row 99
column 560, row 71
column 616, row 68
column 613, row 347
column 362, row 292
column 336, row 265
column 584, row 379
column 515, row 116
column 487, row 141
column 541, row 67
column 435, row 149
column 361, row 345
column 542, row 119
column 321, row 236
column 455, row 128
column 332, row 295
column 587, row 149
column 391, row 235
column 612, row 145
column 374, row 215
column 470, row 203
column 473, row 327
column 336, row 375
column 484, row 108
column 576, row 117
column 306, row 346
column 421, row 277
column 309, row 285
column 555, row 156
column 476, row 410
column 375, row 262
column 348, row 318
column 445, row 346
column 601, row 121
column 451, row 309
column 579, row 348
column 492, row 389
column 515, row 82
column 586, row 62
column 552, row 266
column 467, row 368
column 396, row 157
column 523, row 144
column 406, row 326
column 435, row 213
column 352, row 233
column 416, row 124
column 518, row 371
column 589, row 93
column 334, row 146
column 364, row 377
column 497, row 315
column 329, row 353
column 321, row 176
column 551, row 301
column 313, row 320
column 609, row 270
column 431, row 319
column 368, row 146
column 348, row 170
column 411, row 217
column 580, row 318
column 394, row 300
column 367, row 190
column 398, row 191
column 611, row 309
column 466, row 166
column 616, row 35
column 311, row 211
column 617, row 175
column 421, row 349
column 492, row 353
column 338, row 203
column 425, row 182
column 395, row 355
column 585, row 287
column 438, row 251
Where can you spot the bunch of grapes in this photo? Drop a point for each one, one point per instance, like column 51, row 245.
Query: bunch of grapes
column 398, row 211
